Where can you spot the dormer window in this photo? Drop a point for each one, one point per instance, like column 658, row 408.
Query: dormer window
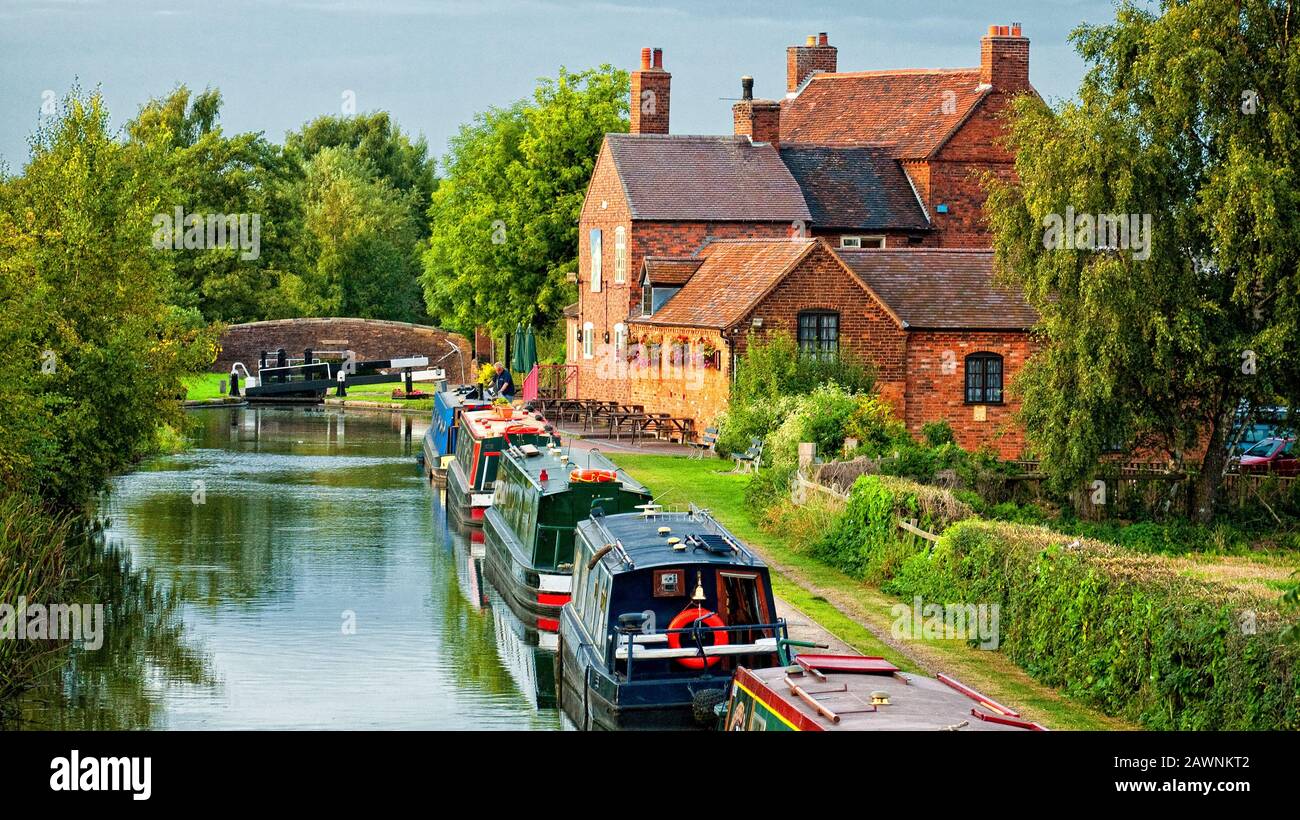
column 855, row 242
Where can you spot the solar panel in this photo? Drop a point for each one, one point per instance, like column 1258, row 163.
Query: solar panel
column 715, row 544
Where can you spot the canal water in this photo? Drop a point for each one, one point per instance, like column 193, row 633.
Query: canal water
column 294, row 570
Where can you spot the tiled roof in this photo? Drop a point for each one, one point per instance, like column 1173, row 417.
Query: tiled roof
column 908, row 112
column 572, row 310
column 855, row 188
column 936, row 289
column 673, row 177
column 671, row 270
column 734, row 276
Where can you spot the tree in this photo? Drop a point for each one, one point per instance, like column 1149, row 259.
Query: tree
column 93, row 350
column 359, row 234
column 1189, row 117
column 504, row 220
column 208, row 172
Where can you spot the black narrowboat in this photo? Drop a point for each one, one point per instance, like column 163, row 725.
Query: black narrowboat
column 665, row 608
column 480, row 440
column 528, row 531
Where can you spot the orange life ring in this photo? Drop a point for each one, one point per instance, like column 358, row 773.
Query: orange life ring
column 693, row 616
column 593, row 475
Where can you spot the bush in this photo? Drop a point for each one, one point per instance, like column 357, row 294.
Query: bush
column 938, row 433
column 1123, row 632
column 864, row 542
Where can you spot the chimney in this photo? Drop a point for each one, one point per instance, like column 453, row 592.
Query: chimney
column 817, row 54
column 1004, row 58
column 650, row 90
column 760, row 120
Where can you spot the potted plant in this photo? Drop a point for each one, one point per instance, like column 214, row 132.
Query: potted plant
column 679, row 350
column 501, row 406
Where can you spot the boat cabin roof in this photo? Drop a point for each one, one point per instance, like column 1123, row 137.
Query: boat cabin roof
column 845, row 685
column 457, row 396
column 559, row 463
column 487, row 424
column 702, row 540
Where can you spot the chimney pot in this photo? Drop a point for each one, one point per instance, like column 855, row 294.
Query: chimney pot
column 993, row 31
column 659, row 58
column 645, row 58
column 822, row 39
column 747, row 88
column 812, row 40
column 1015, row 29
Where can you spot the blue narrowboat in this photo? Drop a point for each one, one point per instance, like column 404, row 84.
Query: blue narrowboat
column 665, row 608
column 440, row 439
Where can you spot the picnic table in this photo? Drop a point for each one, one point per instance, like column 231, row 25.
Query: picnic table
column 632, row 417
column 680, row 427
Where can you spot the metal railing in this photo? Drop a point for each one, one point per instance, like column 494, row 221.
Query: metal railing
column 779, row 638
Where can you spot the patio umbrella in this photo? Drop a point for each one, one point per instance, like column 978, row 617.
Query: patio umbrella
column 516, row 352
column 528, row 357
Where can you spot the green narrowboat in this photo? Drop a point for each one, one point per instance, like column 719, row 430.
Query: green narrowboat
column 665, row 608
column 541, row 495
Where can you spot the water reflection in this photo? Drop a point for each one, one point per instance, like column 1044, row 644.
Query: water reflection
column 293, row 570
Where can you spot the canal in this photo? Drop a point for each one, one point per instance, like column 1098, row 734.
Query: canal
column 293, row 570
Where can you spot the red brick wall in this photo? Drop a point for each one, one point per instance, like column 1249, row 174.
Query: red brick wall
column 689, row 391
column 867, row 330
column 934, row 394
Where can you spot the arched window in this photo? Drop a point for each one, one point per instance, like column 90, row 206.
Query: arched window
column 983, row 378
column 588, row 340
column 819, row 333
column 620, row 255
column 620, row 341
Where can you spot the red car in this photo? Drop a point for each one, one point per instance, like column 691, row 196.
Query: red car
column 1271, row 455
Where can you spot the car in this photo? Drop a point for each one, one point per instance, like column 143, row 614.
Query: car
column 1271, row 455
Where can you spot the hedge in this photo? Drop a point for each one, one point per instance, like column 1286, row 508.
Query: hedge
column 1121, row 631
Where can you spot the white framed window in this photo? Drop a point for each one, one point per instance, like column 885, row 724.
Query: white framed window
column 595, row 260
column 588, row 340
column 620, row 340
column 620, row 255
column 862, row 241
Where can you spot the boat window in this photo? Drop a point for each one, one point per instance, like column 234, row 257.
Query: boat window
column 740, row 601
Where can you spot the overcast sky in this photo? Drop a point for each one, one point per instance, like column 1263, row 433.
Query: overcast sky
column 434, row 63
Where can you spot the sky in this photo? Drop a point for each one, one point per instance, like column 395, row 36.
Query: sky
column 434, row 63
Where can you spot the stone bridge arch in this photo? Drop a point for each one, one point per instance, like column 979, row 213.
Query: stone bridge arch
column 370, row 338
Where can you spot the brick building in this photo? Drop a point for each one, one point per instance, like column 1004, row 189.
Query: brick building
column 849, row 214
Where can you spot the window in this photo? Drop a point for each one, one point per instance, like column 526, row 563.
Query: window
column 620, row 341
column 819, row 334
column 983, row 378
column 862, row 241
column 620, row 255
column 647, row 295
column 588, row 340
column 595, row 260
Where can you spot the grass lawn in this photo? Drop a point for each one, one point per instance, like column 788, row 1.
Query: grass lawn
column 384, row 393
column 201, row 386
column 857, row 613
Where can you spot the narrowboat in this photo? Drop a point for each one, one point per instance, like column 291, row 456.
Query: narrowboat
column 480, row 440
column 541, row 495
column 440, row 440
column 665, row 608
column 848, row 693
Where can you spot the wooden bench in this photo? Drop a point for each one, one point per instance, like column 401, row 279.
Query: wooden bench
column 707, row 443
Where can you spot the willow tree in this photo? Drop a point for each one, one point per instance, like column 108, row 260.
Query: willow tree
column 1157, row 342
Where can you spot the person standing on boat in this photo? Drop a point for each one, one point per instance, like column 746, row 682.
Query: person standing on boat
column 502, row 383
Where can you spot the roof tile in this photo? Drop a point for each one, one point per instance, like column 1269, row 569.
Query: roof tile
column 727, row 178
column 855, row 188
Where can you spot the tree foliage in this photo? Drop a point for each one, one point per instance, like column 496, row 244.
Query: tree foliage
column 94, row 350
column 504, row 221
column 1189, row 115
